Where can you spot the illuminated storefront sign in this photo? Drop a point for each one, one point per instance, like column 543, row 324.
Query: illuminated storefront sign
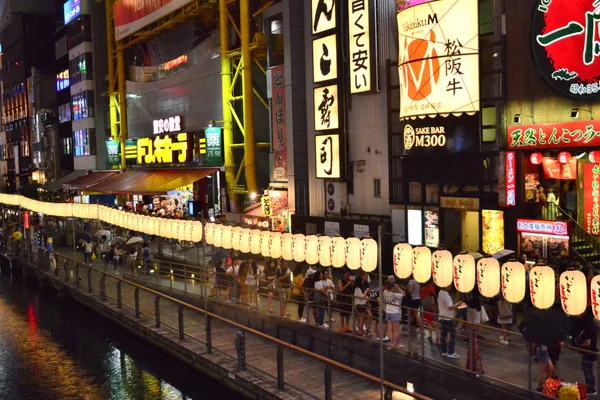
column 167, row 125
column 558, row 228
column 131, row 16
column 326, row 108
column 324, row 15
column 266, row 206
column 511, row 179
column 492, row 231
column 591, row 198
column 278, row 119
column 327, row 150
column 451, row 135
column 214, row 145
column 164, row 149
column 325, row 55
column 71, row 10
column 555, row 136
column 176, row 62
column 62, row 80
column 113, row 149
column 432, row 229
column 362, row 59
column 460, row 203
column 439, row 58
column 564, row 35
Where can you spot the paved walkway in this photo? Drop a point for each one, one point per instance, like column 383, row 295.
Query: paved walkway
column 502, row 363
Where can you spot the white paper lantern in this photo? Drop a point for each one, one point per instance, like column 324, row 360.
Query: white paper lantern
column 573, row 292
column 403, row 260
column 236, row 237
column 197, row 230
column 311, row 249
column 218, row 236
column 287, row 246
column 255, row 241
column 422, row 264
column 441, row 268
column 488, row 277
column 209, row 233
column 595, row 295
column 338, row 252
column 298, row 247
column 265, row 249
column 226, row 237
column 368, row 254
column 324, row 251
column 513, row 281
column 245, row 240
column 464, row 273
column 541, row 287
column 353, row 248
column 275, row 245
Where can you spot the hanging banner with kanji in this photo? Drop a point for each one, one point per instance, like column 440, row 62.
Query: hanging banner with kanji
column 591, row 198
column 362, row 56
column 278, row 124
column 554, row 136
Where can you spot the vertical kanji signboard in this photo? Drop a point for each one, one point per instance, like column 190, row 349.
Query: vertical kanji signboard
column 362, row 46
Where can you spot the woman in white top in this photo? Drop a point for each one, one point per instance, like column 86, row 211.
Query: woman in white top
column 252, row 284
column 392, row 296
column 361, row 301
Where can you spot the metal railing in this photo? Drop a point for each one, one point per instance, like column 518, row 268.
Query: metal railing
column 146, row 303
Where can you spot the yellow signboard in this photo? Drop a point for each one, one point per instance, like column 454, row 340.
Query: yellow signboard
column 163, row 150
column 359, row 36
column 266, row 206
column 327, row 150
column 326, row 106
column 325, row 59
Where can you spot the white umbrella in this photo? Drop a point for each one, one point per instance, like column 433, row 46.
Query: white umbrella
column 502, row 254
column 103, row 232
column 117, row 240
column 134, row 240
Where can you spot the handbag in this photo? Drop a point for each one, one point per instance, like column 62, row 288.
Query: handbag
column 484, row 316
column 504, row 309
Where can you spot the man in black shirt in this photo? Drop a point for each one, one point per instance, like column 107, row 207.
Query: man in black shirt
column 587, row 340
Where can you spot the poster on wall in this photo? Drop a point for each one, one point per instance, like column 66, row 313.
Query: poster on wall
column 130, row 16
column 439, row 58
column 564, row 41
column 532, row 181
column 278, row 124
column 492, row 231
column 432, row 229
column 591, row 198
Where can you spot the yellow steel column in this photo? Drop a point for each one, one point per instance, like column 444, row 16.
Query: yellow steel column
column 227, row 95
column 122, row 104
column 112, row 92
column 248, row 94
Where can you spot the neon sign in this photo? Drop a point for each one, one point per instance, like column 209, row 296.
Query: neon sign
column 559, row 228
column 167, row 125
column 71, row 10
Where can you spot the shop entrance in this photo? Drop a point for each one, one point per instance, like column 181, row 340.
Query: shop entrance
column 461, row 230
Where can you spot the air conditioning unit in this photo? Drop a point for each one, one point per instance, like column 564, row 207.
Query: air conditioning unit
column 336, row 197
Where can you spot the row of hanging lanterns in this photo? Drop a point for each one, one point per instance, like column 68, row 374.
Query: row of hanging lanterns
column 564, row 157
column 324, row 250
column 491, row 279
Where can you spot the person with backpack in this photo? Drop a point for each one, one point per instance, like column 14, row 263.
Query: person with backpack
column 429, row 304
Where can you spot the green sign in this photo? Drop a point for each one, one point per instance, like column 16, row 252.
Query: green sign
column 214, row 145
column 114, row 153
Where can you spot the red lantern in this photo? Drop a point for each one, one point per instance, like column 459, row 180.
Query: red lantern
column 536, row 158
column 594, row 157
column 564, row 157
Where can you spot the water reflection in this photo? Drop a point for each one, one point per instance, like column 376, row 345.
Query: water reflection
column 53, row 348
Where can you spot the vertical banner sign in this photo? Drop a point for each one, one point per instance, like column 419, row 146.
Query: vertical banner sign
column 326, row 108
column 113, row 149
column 360, row 46
column 323, row 16
column 325, row 66
column 327, row 150
column 511, row 179
column 214, row 145
column 591, row 198
column 278, row 124
column 266, row 206
column 26, row 220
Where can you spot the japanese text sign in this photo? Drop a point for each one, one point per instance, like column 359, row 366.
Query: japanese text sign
column 167, row 125
column 565, row 44
column 324, row 15
column 325, row 66
column 511, row 179
column 591, row 198
column 326, row 107
column 439, row 58
column 214, row 145
column 558, row 228
column 555, row 136
column 164, row 149
column 278, row 116
column 327, row 150
column 113, row 149
column 266, row 206
column 361, row 53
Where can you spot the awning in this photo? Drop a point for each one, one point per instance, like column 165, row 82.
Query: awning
column 85, row 181
column 52, row 186
column 151, row 181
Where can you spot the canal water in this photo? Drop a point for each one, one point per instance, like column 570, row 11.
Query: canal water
column 53, row 348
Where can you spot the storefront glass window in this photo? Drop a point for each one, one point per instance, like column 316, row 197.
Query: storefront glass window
column 81, row 68
column 432, row 193
column 64, row 113
column 83, row 105
column 85, row 141
column 415, row 195
column 80, row 31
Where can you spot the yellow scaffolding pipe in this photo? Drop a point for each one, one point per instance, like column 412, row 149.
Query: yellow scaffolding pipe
column 122, row 105
column 227, row 92
column 250, row 167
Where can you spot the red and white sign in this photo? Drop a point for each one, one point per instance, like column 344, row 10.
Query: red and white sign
column 553, row 169
column 591, row 198
column 132, row 15
column 511, row 179
column 558, row 228
column 26, row 220
column 554, row 136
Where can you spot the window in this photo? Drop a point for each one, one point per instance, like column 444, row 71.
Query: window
column 80, row 31
column 83, row 105
column 60, row 47
column 81, row 68
column 376, row 187
column 64, row 113
column 62, row 80
column 66, row 145
column 85, row 141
